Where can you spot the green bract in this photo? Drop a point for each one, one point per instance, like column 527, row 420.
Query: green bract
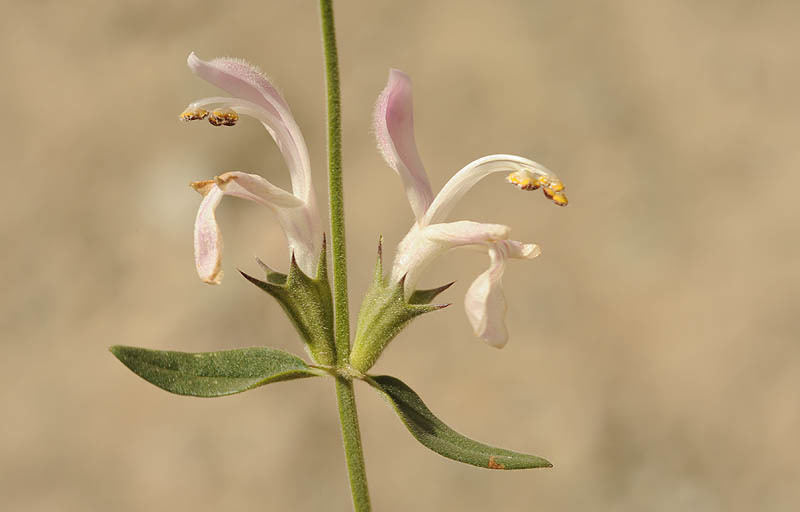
column 384, row 313
column 307, row 303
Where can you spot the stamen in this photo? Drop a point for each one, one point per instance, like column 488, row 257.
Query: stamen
column 193, row 114
column 223, row 117
column 222, row 179
column 549, row 183
column 203, row 187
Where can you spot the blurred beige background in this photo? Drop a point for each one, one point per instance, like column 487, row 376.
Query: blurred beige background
column 654, row 355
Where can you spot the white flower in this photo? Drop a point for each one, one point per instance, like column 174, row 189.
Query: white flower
column 253, row 95
column 431, row 236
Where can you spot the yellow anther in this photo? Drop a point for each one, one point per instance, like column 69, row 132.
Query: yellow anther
column 203, row 187
column 549, row 183
column 222, row 179
column 556, row 185
column 525, row 181
column 556, row 195
column 193, row 114
column 560, row 199
column 223, row 117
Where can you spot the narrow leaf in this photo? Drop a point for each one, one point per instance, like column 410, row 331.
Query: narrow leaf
column 435, row 435
column 210, row 374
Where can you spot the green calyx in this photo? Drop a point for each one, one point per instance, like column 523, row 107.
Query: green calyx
column 308, row 304
column 385, row 312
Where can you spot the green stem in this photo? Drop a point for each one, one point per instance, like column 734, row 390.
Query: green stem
column 351, row 435
column 345, row 394
column 335, row 191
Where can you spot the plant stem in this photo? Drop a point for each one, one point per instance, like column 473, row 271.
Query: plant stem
column 351, row 435
column 345, row 394
column 335, row 191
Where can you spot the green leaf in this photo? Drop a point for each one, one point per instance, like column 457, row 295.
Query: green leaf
column 435, row 435
column 210, row 374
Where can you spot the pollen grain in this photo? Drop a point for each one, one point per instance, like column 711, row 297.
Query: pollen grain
column 223, row 117
column 552, row 187
column 193, row 114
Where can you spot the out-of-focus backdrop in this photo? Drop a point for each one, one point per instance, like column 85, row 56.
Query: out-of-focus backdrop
column 654, row 353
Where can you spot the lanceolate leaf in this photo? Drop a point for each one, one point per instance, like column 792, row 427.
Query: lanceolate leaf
column 210, row 374
column 435, row 435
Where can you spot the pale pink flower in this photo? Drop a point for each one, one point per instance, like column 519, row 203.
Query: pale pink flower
column 253, row 95
column 430, row 236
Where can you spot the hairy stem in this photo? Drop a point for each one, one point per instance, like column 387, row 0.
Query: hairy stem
column 345, row 394
column 351, row 435
column 335, row 191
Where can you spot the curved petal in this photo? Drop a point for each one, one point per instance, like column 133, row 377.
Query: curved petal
column 303, row 235
column 485, row 303
column 240, row 79
column 475, row 171
column 246, row 82
column 519, row 250
column 423, row 245
column 208, row 239
column 394, row 129
column 255, row 188
column 299, row 222
column 465, row 232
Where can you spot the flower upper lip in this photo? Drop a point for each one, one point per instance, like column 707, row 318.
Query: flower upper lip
column 431, row 236
column 253, row 95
